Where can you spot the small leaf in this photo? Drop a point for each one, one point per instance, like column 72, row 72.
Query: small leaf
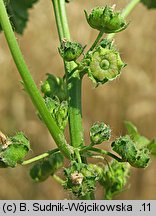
column 54, row 86
column 18, row 13
column 150, row 4
column 46, row 167
column 131, row 128
column 135, row 136
column 152, row 147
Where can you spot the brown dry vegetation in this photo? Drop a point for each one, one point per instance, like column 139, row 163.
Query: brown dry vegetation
column 131, row 97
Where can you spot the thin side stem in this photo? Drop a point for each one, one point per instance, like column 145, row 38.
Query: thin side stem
column 96, row 41
column 39, row 157
column 58, row 179
column 101, row 151
column 29, row 83
column 125, row 13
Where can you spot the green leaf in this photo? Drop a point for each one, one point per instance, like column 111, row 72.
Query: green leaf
column 135, row 136
column 150, row 4
column 18, row 13
column 15, row 152
column 140, row 141
column 46, row 167
column 152, row 147
column 131, row 128
column 53, row 87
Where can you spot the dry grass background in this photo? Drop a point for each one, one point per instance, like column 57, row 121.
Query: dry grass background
column 131, row 97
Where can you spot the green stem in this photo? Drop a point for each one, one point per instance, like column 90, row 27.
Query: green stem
column 96, row 41
column 29, row 83
column 74, row 83
column 101, row 151
column 58, row 179
column 58, row 19
column 75, row 112
column 39, row 157
column 64, row 20
column 78, row 155
column 125, row 13
column 74, row 89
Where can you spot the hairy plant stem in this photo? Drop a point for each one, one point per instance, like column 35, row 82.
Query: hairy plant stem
column 125, row 13
column 74, row 83
column 40, row 157
column 101, row 151
column 29, row 83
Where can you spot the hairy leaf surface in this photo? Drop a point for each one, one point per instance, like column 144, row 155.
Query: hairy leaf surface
column 18, row 13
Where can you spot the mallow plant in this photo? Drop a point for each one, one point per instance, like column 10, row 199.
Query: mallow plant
column 58, row 104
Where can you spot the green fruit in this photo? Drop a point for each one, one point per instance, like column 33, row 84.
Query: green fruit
column 105, row 65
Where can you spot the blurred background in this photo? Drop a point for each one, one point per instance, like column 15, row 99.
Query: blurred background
column 131, row 97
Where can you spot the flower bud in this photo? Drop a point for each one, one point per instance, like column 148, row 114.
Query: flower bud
column 114, row 178
column 130, row 152
column 59, row 111
column 106, row 19
column 54, row 86
column 70, row 51
column 81, row 178
column 99, row 132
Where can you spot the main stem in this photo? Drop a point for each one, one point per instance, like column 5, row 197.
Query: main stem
column 74, row 83
column 126, row 12
column 29, row 83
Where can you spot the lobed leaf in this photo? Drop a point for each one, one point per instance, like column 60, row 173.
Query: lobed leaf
column 18, row 13
column 150, row 4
